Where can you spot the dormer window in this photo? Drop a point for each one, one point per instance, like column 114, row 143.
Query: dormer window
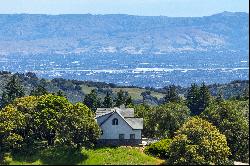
column 115, row 121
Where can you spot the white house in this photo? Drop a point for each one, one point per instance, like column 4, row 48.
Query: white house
column 119, row 126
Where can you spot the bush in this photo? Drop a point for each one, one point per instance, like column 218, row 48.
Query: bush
column 198, row 142
column 5, row 158
column 159, row 149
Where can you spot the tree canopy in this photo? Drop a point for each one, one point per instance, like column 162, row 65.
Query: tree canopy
column 47, row 118
column 198, row 142
column 231, row 119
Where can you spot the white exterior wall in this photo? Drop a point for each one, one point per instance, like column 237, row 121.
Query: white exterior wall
column 112, row 131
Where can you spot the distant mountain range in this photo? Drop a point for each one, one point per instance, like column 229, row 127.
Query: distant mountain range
column 122, row 34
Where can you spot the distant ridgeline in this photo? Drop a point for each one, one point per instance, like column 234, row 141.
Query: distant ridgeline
column 75, row 90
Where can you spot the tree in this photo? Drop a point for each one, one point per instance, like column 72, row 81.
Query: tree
column 198, row 142
column 83, row 132
column 198, row 98
column 121, row 98
column 12, row 90
column 168, row 118
column 61, row 93
column 129, row 101
column 92, row 101
column 39, row 91
column 108, row 101
column 162, row 121
column 219, row 98
column 230, row 118
column 172, row 95
column 193, row 98
column 50, row 109
column 10, row 121
column 204, row 98
column 48, row 118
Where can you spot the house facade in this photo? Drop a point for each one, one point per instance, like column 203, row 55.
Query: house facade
column 119, row 126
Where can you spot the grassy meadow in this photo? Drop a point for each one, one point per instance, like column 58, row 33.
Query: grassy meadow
column 97, row 156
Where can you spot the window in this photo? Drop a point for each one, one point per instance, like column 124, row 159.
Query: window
column 115, row 121
column 132, row 136
column 121, row 136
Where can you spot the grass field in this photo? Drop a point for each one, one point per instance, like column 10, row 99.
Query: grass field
column 98, row 156
column 134, row 92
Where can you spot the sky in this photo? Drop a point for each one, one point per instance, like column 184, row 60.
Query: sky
column 171, row 8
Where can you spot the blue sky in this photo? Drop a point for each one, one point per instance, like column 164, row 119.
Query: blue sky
column 173, row 8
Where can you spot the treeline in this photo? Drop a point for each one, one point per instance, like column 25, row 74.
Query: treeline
column 14, row 89
column 198, row 128
column 75, row 92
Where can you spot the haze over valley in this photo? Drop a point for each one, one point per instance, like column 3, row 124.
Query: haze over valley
column 127, row 50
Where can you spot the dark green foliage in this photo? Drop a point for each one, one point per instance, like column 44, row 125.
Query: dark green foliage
column 232, row 120
column 5, row 158
column 198, row 98
column 108, row 101
column 92, row 101
column 12, row 90
column 204, row 98
column 162, row 121
column 39, row 91
column 198, row 142
column 159, row 148
column 123, row 98
column 219, row 98
column 172, row 95
column 60, row 93
column 129, row 101
column 193, row 98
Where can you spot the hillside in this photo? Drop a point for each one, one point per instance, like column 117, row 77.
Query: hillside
column 75, row 90
column 118, row 34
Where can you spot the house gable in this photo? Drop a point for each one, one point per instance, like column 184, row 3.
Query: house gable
column 111, row 131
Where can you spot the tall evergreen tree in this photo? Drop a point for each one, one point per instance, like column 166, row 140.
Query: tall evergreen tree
column 92, row 101
column 193, row 99
column 12, row 90
column 108, row 101
column 120, row 99
column 129, row 101
column 172, row 95
column 204, row 98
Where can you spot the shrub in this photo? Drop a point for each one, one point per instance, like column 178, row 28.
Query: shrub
column 198, row 142
column 159, row 149
column 5, row 158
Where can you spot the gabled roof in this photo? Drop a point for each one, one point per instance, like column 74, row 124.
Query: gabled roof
column 127, row 114
column 103, row 111
column 135, row 123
